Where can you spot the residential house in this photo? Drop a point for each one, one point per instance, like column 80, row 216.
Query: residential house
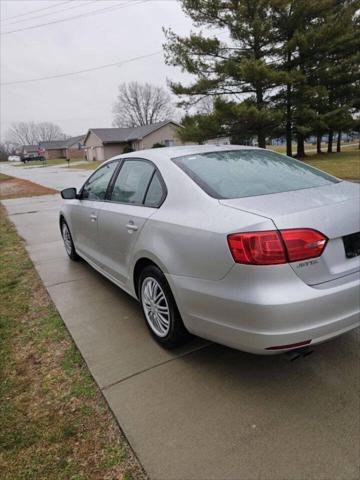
column 218, row 141
column 70, row 148
column 26, row 149
column 103, row 143
column 52, row 149
column 74, row 148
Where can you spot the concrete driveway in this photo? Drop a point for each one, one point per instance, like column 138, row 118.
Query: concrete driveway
column 204, row 412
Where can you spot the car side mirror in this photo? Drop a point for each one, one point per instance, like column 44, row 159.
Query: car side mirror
column 69, row 193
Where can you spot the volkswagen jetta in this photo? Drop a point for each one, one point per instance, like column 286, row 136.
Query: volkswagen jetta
column 239, row 245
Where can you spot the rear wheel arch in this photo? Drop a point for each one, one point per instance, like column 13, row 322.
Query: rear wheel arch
column 143, row 259
column 140, row 264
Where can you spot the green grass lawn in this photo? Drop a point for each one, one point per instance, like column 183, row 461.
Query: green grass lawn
column 345, row 164
column 282, row 148
column 86, row 166
column 308, row 147
column 4, row 177
column 46, row 163
column 54, row 422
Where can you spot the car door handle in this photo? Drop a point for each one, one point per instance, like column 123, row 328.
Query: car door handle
column 93, row 217
column 131, row 227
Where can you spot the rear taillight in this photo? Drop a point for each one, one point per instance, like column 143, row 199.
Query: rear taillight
column 257, row 248
column 302, row 244
column 276, row 246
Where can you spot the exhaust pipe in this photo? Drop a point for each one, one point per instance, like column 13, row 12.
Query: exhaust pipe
column 299, row 352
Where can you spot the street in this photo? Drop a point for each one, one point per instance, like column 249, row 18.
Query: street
column 53, row 177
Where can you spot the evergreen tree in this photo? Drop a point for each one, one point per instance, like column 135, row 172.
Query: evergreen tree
column 240, row 68
column 341, row 76
column 200, row 127
column 288, row 67
column 320, row 45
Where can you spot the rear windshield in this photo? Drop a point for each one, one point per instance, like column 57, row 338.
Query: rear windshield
column 248, row 173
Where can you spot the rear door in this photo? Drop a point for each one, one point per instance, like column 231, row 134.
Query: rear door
column 85, row 212
column 135, row 195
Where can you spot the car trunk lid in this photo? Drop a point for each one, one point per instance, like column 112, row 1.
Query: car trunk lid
column 333, row 210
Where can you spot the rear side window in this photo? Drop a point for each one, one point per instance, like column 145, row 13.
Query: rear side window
column 132, row 182
column 155, row 193
column 247, row 173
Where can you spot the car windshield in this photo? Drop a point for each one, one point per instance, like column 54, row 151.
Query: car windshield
column 247, row 173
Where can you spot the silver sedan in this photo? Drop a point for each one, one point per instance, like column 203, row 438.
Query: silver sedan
column 239, row 245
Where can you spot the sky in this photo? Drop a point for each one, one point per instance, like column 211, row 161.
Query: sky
column 123, row 30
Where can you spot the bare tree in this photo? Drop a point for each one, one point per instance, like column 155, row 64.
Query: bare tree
column 141, row 104
column 48, row 131
column 6, row 149
column 21, row 133
column 31, row 133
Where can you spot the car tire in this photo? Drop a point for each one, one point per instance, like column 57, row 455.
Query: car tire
column 68, row 241
column 160, row 310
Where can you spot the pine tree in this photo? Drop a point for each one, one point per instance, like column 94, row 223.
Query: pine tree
column 340, row 72
column 297, row 24
column 237, row 69
column 319, row 42
column 287, row 66
column 200, row 127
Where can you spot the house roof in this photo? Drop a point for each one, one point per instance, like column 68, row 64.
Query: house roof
column 71, row 141
column 58, row 144
column 52, row 145
column 30, row 148
column 123, row 135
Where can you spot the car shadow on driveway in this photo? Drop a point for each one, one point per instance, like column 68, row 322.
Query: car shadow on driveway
column 220, row 413
column 207, row 411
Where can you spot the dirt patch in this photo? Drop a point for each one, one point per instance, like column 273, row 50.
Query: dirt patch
column 11, row 187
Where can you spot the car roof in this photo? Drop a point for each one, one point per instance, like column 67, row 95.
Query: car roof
column 167, row 153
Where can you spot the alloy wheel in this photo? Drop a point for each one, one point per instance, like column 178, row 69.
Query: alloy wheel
column 67, row 239
column 155, row 306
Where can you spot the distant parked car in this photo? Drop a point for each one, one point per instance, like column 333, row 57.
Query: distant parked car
column 32, row 157
column 14, row 158
column 238, row 245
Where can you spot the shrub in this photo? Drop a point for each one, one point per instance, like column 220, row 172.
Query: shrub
column 128, row 148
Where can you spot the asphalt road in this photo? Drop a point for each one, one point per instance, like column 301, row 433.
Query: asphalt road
column 53, row 177
column 204, row 412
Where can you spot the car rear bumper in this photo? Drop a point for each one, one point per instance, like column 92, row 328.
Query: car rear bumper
column 256, row 308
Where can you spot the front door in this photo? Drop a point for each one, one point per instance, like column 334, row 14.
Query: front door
column 85, row 214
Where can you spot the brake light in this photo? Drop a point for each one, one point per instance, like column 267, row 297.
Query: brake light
column 302, row 244
column 257, row 248
column 276, row 246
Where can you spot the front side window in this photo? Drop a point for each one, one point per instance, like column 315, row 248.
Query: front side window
column 95, row 188
column 132, row 182
column 247, row 173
